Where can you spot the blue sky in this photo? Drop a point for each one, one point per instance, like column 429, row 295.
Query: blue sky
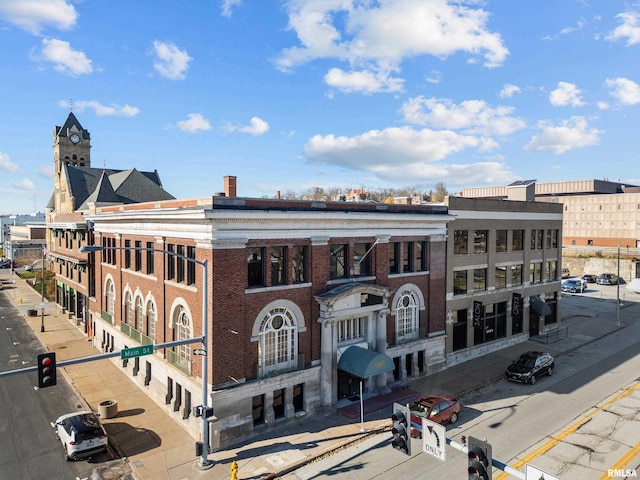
column 290, row 95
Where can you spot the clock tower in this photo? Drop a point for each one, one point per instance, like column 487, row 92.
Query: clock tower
column 71, row 148
column 71, row 145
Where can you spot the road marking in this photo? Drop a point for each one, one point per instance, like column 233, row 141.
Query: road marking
column 564, row 434
column 623, row 461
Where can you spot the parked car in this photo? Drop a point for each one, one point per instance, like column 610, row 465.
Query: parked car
column 589, row 278
column 566, row 273
column 529, row 366
column 573, row 285
column 81, row 435
column 607, row 279
column 436, row 408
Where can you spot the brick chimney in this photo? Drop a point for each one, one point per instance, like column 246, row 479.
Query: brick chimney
column 229, row 186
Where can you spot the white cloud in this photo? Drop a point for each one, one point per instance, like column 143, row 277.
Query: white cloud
column 408, row 155
column 227, row 5
column 469, row 116
column 434, row 77
column 102, row 110
column 257, row 127
column 403, row 147
column 34, row 15
column 196, row 123
column 65, row 59
column 24, row 184
column 630, row 28
column 362, row 81
column 6, row 164
column 566, row 94
column 570, row 134
column 580, row 24
column 626, row 91
column 46, row 171
column 171, row 62
column 509, row 90
column 378, row 36
column 603, row 105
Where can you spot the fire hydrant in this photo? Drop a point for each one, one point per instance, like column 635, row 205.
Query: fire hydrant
column 234, row 470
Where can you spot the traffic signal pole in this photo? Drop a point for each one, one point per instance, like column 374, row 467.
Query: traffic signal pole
column 496, row 463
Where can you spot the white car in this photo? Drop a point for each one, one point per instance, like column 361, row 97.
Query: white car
column 81, row 435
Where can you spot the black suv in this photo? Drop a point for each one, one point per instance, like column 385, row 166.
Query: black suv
column 529, row 366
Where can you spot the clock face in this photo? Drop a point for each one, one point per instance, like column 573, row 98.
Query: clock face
column 74, row 138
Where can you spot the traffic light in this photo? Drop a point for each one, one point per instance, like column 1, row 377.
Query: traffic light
column 46, row 370
column 479, row 459
column 401, row 419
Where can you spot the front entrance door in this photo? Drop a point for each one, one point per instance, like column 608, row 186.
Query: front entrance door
column 348, row 385
column 534, row 325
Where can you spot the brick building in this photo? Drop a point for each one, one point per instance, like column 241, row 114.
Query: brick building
column 306, row 302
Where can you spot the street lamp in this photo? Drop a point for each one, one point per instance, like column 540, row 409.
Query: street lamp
column 42, row 289
column 618, row 291
column 204, row 461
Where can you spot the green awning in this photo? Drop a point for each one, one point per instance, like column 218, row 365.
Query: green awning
column 364, row 363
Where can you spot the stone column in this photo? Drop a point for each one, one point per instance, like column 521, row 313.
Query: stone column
column 328, row 365
column 381, row 347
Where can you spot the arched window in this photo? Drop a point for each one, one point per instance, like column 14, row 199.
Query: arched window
column 128, row 309
column 151, row 321
column 139, row 322
column 110, row 291
column 407, row 316
column 278, row 345
column 182, row 331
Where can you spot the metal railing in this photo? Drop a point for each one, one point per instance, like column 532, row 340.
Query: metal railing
column 107, row 317
column 134, row 334
column 181, row 363
column 270, row 370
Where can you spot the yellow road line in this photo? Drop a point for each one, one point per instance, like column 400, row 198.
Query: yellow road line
column 562, row 435
column 623, row 461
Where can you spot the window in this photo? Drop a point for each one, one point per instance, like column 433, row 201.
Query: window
column 460, row 242
column 182, row 331
column 501, row 277
column 191, row 266
column 394, row 252
column 128, row 309
column 480, row 241
column 422, row 264
column 151, row 321
column 501, row 240
column 361, row 261
column 278, row 345
column 407, row 316
column 278, row 266
column 459, row 282
column 171, row 262
column 554, row 238
column 516, row 275
column 139, row 322
column 351, row 329
column 548, row 239
column 459, row 318
column 479, row 279
column 149, row 258
column 537, row 237
column 517, row 241
column 255, row 267
column 138, row 256
column 299, row 264
column 337, row 261
column 127, row 254
column 110, row 290
column 492, row 325
column 535, row 272
column 180, row 271
column 552, row 271
column 407, row 257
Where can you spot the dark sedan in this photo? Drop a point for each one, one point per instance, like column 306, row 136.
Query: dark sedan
column 436, row 408
column 529, row 366
column 587, row 277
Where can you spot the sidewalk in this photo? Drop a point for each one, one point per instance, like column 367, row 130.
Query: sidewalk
column 157, row 448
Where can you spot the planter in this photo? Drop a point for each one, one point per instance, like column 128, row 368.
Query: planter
column 108, row 409
column 32, row 312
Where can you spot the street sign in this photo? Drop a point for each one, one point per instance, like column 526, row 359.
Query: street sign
column 533, row 473
column 126, row 353
column 434, row 439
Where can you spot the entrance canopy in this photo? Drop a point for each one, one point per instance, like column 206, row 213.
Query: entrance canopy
column 364, row 363
column 539, row 306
